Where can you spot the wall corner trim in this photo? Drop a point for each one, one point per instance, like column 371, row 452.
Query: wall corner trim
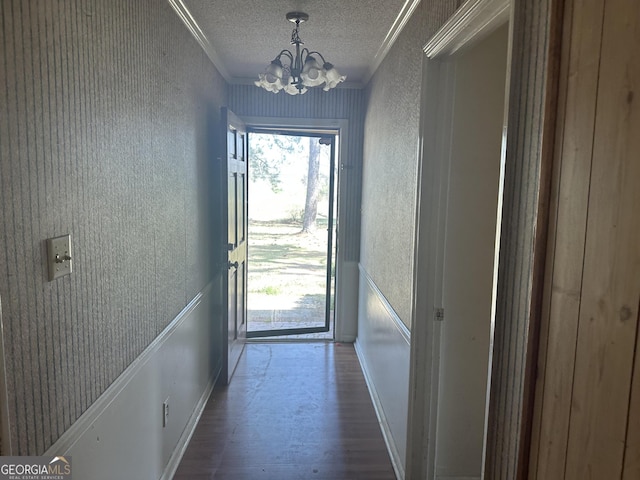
column 474, row 20
column 401, row 20
column 185, row 15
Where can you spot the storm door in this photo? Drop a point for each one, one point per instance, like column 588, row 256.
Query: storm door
column 291, row 222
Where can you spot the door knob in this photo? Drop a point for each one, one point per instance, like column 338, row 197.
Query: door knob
column 232, row 265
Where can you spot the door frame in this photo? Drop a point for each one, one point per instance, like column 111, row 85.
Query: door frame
column 330, row 253
column 535, row 39
column 346, row 287
column 472, row 22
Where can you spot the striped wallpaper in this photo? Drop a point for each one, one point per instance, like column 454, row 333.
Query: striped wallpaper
column 105, row 121
column 106, row 114
column 523, row 238
column 391, row 155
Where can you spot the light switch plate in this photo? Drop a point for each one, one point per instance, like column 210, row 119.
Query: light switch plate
column 59, row 256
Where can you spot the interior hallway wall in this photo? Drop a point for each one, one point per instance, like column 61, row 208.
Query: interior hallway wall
column 108, row 110
column 390, row 165
column 389, row 179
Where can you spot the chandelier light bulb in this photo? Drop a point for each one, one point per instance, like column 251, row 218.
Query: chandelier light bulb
column 312, row 73
column 301, row 69
column 333, row 77
column 274, row 71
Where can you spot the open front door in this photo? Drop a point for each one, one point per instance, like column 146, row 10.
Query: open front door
column 234, row 239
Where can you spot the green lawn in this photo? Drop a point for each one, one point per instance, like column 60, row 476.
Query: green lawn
column 287, row 274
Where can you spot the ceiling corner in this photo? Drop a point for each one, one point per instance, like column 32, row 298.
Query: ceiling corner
column 185, row 15
column 403, row 17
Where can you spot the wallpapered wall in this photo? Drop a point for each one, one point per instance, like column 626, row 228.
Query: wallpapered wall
column 390, row 163
column 108, row 110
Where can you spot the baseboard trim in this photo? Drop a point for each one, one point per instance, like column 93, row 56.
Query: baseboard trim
column 189, row 429
column 396, row 461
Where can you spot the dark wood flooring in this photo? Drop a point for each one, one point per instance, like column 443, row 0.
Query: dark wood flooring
column 292, row 411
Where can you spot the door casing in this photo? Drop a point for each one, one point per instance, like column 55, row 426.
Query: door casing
column 472, row 22
column 330, row 253
column 347, row 275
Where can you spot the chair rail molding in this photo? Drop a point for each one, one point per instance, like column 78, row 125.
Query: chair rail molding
column 383, row 349
column 181, row 365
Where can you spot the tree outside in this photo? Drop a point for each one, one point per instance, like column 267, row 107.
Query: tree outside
column 290, row 174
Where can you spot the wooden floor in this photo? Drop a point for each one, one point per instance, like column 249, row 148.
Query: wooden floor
column 292, row 411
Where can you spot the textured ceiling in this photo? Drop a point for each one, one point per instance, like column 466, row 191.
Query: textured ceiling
column 247, row 34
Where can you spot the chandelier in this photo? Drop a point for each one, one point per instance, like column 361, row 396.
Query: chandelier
column 294, row 72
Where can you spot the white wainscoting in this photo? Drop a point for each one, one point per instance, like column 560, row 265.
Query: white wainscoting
column 121, row 434
column 383, row 347
column 346, row 309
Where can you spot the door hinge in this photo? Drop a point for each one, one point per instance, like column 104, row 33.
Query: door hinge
column 438, row 314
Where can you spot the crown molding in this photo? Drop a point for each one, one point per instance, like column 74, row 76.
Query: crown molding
column 190, row 22
column 474, row 20
column 401, row 20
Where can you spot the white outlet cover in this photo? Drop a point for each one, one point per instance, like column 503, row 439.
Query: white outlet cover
column 59, row 256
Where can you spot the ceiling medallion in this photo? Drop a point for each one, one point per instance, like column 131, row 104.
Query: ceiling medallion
column 295, row 72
